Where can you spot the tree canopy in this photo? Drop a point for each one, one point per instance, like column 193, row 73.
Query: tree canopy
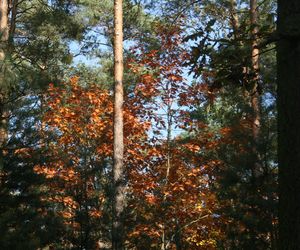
column 141, row 124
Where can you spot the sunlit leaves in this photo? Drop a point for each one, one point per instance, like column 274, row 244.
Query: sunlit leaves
column 169, row 181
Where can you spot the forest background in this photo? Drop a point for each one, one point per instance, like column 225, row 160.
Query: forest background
column 200, row 124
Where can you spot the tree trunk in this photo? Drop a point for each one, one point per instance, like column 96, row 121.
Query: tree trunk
column 288, row 66
column 255, row 100
column 4, row 34
column 234, row 20
column 4, row 29
column 164, row 244
column 256, row 108
column 13, row 17
column 118, row 167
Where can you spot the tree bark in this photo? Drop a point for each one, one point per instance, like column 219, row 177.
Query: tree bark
column 234, row 20
column 164, row 244
column 13, row 17
column 288, row 79
column 255, row 108
column 118, row 167
column 255, row 100
column 4, row 29
column 4, row 34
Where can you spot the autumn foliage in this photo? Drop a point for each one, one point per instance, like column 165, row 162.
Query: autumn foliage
column 170, row 200
column 168, row 142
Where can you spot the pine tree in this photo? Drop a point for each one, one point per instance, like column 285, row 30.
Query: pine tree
column 118, row 167
column 4, row 32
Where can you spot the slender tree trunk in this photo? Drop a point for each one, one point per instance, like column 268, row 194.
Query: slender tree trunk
column 255, row 105
column 12, row 28
column 234, row 20
column 118, row 167
column 165, row 243
column 255, row 94
column 4, row 33
column 288, row 66
column 4, row 29
column 255, row 100
column 168, row 168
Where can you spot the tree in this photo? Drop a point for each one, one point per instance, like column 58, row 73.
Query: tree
column 34, row 48
column 170, row 196
column 251, row 215
column 4, row 29
column 25, row 221
column 4, row 34
column 32, row 52
column 77, row 136
column 227, row 62
column 77, row 146
column 199, row 169
column 288, row 65
column 118, row 162
column 254, row 82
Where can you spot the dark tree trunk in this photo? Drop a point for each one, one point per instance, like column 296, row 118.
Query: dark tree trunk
column 118, row 168
column 255, row 96
column 288, row 62
column 13, row 17
column 4, row 33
